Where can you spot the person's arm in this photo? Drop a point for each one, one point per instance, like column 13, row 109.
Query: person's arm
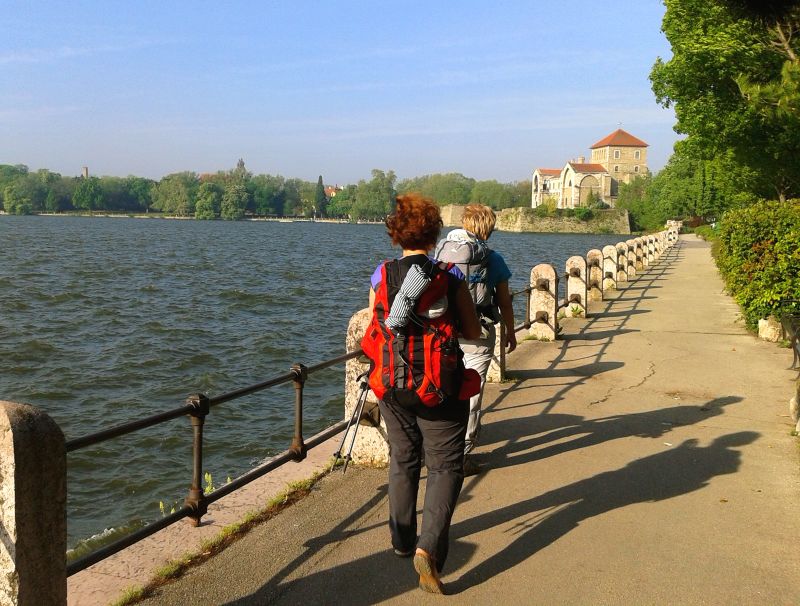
column 470, row 325
column 372, row 298
column 507, row 314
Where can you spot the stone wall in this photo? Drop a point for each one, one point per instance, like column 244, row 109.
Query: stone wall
column 614, row 221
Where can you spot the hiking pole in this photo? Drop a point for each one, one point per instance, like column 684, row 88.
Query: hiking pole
column 359, row 411
column 353, row 419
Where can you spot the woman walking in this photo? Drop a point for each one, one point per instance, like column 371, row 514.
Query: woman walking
column 415, row 301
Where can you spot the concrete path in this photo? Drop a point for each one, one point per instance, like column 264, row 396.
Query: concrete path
column 646, row 458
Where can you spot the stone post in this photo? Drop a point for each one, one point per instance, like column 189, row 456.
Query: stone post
column 576, row 286
column 371, row 446
column 640, row 264
column 544, row 303
column 622, row 262
column 651, row 257
column 594, row 260
column 631, row 259
column 609, row 268
column 33, row 506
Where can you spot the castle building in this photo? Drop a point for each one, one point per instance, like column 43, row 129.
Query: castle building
column 617, row 158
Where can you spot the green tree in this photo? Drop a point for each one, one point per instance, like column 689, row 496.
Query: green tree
column 491, row 193
column 451, row 188
column 320, row 199
column 174, row 194
column 374, row 198
column 234, row 202
column 15, row 202
column 721, row 64
column 88, row 195
column 341, row 204
column 207, row 205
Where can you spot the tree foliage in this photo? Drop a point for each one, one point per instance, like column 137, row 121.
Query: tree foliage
column 732, row 83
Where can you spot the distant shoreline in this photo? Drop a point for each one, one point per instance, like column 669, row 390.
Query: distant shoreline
column 109, row 215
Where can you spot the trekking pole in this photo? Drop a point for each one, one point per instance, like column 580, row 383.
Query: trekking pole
column 353, row 419
column 358, row 412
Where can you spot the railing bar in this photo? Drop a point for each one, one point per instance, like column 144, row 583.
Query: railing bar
column 238, row 393
column 334, row 361
column 126, row 541
column 125, row 428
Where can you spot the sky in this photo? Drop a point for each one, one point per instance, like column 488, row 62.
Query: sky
column 489, row 89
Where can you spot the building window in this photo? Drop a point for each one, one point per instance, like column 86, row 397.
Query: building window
column 636, row 168
column 637, row 154
column 616, row 168
column 616, row 154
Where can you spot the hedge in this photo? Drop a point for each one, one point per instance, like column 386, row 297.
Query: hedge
column 759, row 257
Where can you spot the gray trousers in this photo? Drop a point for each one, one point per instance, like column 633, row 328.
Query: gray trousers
column 477, row 354
column 439, row 432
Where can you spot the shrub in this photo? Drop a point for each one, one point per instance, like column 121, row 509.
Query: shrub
column 706, row 232
column 759, row 256
column 583, row 213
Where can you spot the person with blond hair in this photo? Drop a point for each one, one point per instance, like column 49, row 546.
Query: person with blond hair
column 412, row 426
column 487, row 276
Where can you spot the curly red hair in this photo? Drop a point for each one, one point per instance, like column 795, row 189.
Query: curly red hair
column 415, row 223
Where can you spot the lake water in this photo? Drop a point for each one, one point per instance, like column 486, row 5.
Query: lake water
column 106, row 320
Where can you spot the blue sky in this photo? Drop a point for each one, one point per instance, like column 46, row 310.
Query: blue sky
column 299, row 88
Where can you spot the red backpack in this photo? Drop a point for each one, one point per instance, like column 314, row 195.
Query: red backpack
column 421, row 362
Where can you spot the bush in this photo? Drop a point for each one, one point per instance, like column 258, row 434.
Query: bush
column 759, row 256
column 583, row 213
column 706, row 232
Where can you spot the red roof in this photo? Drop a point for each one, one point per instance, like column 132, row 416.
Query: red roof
column 619, row 138
column 588, row 168
column 553, row 172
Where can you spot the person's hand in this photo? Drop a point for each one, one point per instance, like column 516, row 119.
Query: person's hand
column 511, row 341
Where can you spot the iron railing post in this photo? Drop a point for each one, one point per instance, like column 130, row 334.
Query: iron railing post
column 196, row 499
column 298, row 448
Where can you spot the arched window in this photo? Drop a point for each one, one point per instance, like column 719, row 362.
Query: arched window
column 637, row 154
column 616, row 154
column 616, row 168
column 636, row 168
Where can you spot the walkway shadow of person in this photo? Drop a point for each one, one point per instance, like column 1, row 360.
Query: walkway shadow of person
column 564, row 432
column 540, row 521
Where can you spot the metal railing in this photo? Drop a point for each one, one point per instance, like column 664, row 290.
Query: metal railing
column 198, row 407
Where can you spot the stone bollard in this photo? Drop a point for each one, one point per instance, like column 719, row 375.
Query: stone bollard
column 544, row 303
column 497, row 367
column 609, row 268
column 594, row 261
column 631, row 259
column 622, row 262
column 651, row 257
column 33, row 508
column 639, row 255
column 371, row 447
column 576, row 286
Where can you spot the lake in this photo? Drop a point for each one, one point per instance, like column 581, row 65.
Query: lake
column 106, row 320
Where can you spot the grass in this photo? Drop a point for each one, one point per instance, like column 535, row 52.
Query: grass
column 294, row 492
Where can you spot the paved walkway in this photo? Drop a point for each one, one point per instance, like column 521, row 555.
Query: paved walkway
column 646, row 458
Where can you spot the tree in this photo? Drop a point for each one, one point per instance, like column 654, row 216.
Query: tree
column 320, row 199
column 207, row 205
column 490, row 193
column 234, row 202
column 174, row 194
column 15, row 202
column 451, row 188
column 88, row 195
column 720, row 62
column 375, row 198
